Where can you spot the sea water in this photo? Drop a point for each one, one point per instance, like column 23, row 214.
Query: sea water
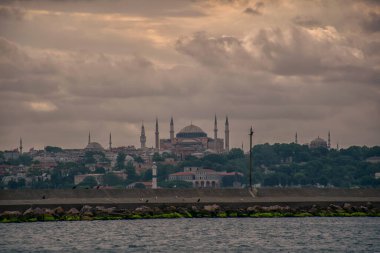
column 195, row 235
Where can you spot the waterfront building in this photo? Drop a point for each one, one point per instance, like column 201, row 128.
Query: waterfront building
column 201, row 177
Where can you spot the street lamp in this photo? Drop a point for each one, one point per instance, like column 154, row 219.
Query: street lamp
column 250, row 157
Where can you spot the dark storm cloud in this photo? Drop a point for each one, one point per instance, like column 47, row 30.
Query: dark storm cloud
column 372, row 22
column 68, row 67
column 291, row 52
column 7, row 13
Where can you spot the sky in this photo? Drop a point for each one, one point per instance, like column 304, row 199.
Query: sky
column 70, row 67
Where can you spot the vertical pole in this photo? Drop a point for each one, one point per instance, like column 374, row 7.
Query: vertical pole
column 154, row 176
column 250, row 157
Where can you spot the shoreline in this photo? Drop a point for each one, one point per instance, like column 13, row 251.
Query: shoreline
column 89, row 213
column 114, row 204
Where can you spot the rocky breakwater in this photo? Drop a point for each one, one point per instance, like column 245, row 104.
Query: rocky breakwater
column 194, row 211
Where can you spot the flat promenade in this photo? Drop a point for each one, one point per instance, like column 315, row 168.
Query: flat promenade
column 132, row 198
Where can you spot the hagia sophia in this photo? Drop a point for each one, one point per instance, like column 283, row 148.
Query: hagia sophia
column 190, row 140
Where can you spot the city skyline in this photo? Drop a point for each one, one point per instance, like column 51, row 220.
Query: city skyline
column 67, row 67
column 150, row 137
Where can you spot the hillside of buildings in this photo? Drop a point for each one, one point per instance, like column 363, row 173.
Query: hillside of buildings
column 282, row 165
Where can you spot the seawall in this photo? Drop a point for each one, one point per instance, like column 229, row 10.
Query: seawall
column 133, row 198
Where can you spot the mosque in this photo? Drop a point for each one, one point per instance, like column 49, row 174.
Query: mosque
column 190, row 140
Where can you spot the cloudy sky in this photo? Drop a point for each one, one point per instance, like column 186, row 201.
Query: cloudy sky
column 67, row 67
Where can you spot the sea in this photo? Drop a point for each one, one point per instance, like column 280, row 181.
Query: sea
column 319, row 234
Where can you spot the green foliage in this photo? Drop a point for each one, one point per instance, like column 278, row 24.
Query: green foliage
column 138, row 159
column 100, row 170
column 131, row 171
column 157, row 157
column 52, row 149
column 235, row 153
column 120, row 160
column 112, row 179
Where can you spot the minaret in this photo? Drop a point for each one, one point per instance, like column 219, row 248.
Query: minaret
column 215, row 134
column 328, row 141
column 89, row 137
column 110, row 142
column 296, row 138
column 157, row 135
column 337, row 146
column 227, row 135
column 142, row 136
column 171, row 130
column 20, row 146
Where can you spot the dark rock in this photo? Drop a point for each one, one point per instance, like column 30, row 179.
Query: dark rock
column 275, row 208
column 28, row 213
column 58, row 211
column 335, row 208
column 73, row 211
column 363, row 209
column 86, row 208
column 143, row 210
column 347, row 207
column 182, row 210
column 194, row 209
column 87, row 214
column 10, row 214
column 48, row 211
column 157, row 210
column 254, row 209
column 212, row 208
column 313, row 210
column 171, row 209
column 38, row 211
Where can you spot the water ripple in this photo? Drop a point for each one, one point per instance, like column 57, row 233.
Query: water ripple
column 189, row 235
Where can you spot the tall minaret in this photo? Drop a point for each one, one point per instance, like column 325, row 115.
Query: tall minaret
column 110, row 142
column 157, row 135
column 328, row 141
column 20, row 145
column 215, row 134
column 89, row 137
column 142, row 136
column 227, row 135
column 296, row 138
column 171, row 130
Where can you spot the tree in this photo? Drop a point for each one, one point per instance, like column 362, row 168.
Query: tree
column 138, row 159
column 157, row 157
column 100, row 170
column 235, row 153
column 52, row 149
column 89, row 181
column 112, row 179
column 120, row 160
column 131, row 171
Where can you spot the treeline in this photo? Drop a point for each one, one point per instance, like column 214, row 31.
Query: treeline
column 298, row 165
column 289, row 165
